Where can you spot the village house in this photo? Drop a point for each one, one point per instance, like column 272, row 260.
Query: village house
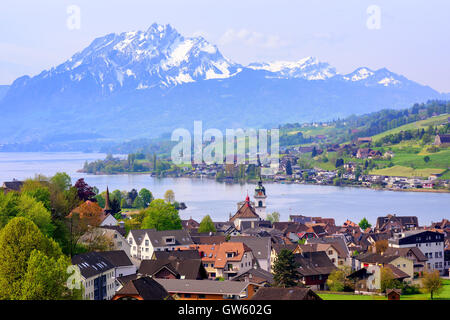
column 144, row 242
column 431, row 244
column 14, row 185
column 368, row 279
column 412, row 253
column 394, row 223
column 335, row 248
column 226, row 259
column 406, row 265
column 314, row 269
column 295, row 293
column 208, row 290
column 172, row 268
column 442, row 140
column 245, row 213
column 97, row 276
column 256, row 276
column 261, row 248
column 142, row 288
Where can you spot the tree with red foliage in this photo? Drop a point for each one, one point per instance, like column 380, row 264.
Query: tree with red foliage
column 85, row 191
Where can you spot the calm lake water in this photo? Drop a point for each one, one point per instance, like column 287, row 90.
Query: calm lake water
column 205, row 196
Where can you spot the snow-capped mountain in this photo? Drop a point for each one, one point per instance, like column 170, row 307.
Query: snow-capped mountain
column 138, row 60
column 150, row 82
column 308, row 68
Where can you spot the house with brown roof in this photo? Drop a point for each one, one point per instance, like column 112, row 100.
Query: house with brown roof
column 143, row 288
column 374, row 259
column 208, row 290
column 294, row 293
column 226, row 259
column 172, row 268
column 14, row 185
column 368, row 279
column 245, row 213
column 314, row 268
column 412, row 253
column 394, row 223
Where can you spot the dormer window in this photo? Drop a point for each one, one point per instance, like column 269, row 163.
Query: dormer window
column 169, row 240
column 230, row 254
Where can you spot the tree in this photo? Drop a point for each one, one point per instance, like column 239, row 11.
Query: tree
column 336, row 280
column 161, row 215
column 364, row 224
column 38, row 191
column 146, row 196
column 274, row 217
column 339, row 163
column 85, row 192
column 426, row 159
column 431, row 282
column 285, row 270
column 18, row 239
column 387, row 279
column 61, row 181
column 206, row 225
column 169, row 196
column 288, row 168
column 34, row 210
column 46, row 278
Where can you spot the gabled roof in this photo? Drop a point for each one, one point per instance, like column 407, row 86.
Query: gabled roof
column 258, row 276
column 337, row 242
column 295, row 293
column 260, row 247
column 91, row 264
column 157, row 238
column 203, row 286
column 218, row 253
column 403, row 252
column 278, row 247
column 398, row 274
column 177, row 255
column 13, row 185
column 314, row 263
column 189, row 268
column 246, row 211
column 118, row 258
column 145, row 287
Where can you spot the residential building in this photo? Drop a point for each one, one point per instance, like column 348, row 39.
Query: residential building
column 431, row 244
column 173, row 268
column 256, row 276
column 226, row 260
column 412, row 253
column 374, row 259
column 394, row 223
column 314, row 268
column 143, row 288
column 261, row 248
column 295, row 293
column 97, row 276
column 208, row 290
column 144, row 242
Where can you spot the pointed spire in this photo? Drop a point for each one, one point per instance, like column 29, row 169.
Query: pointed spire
column 107, row 207
column 247, row 200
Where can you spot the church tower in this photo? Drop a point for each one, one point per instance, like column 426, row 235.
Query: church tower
column 107, row 208
column 260, row 199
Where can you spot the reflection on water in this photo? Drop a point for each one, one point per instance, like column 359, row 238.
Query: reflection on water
column 204, row 196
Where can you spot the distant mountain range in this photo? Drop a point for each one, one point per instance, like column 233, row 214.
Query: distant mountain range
column 144, row 83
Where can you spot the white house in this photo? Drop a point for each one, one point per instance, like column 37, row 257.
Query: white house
column 431, row 244
column 144, row 242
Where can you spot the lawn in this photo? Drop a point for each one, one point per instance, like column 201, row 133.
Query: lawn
column 444, row 295
column 433, row 121
column 402, row 171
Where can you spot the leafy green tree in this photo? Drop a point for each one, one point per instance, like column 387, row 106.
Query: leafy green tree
column 46, row 277
column 38, row 191
column 147, row 197
column 18, row 239
column 336, row 280
column 388, row 280
column 206, row 225
column 285, row 272
column 161, row 215
column 364, row 224
column 34, row 210
column 138, row 203
column 432, row 282
column 288, row 168
column 61, row 181
column 426, row 159
column 274, row 217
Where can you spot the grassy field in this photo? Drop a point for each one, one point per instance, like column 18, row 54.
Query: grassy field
column 406, row 171
column 415, row 125
column 444, row 295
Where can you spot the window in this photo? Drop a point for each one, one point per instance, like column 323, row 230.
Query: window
column 330, row 252
column 146, row 242
column 187, row 295
column 201, row 296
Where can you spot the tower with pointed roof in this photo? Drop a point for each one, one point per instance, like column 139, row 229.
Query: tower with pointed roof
column 107, row 208
column 260, row 199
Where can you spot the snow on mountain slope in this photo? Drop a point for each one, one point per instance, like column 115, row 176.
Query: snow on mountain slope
column 308, row 68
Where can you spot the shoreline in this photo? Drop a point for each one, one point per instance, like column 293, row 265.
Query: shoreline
column 270, row 182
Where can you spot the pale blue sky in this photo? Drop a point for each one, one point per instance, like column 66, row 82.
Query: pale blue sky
column 414, row 38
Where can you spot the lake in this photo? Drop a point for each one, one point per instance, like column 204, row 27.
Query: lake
column 205, row 196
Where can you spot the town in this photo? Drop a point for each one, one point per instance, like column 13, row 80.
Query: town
column 153, row 254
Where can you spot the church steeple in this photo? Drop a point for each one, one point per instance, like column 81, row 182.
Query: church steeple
column 107, row 208
column 260, row 199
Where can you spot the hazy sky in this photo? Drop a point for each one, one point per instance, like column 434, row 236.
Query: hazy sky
column 413, row 38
